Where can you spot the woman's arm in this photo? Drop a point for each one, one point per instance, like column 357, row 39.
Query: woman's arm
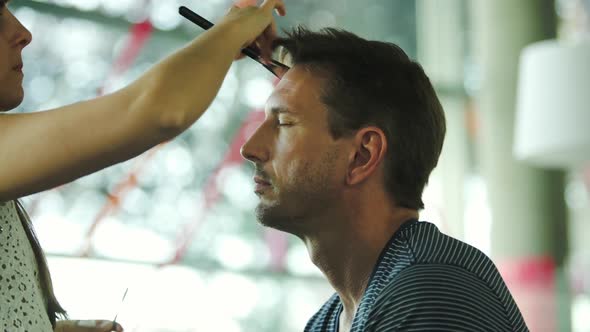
column 41, row 150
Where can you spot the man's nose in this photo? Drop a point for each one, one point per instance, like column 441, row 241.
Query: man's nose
column 254, row 149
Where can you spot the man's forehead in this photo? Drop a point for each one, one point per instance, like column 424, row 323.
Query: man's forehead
column 297, row 84
column 292, row 82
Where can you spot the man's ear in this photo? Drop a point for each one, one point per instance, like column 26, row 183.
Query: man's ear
column 370, row 147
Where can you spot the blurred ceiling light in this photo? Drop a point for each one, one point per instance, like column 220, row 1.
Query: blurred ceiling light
column 256, row 91
column 553, row 105
column 164, row 15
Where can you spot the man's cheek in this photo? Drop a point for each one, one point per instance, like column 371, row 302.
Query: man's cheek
column 291, row 171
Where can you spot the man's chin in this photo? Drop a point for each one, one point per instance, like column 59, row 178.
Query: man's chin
column 269, row 216
column 265, row 215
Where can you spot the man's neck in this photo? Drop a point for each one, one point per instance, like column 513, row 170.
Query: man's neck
column 348, row 252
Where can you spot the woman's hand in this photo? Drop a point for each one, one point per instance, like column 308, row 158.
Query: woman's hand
column 87, row 326
column 255, row 25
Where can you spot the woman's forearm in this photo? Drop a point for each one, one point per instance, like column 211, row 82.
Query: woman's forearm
column 178, row 90
column 87, row 136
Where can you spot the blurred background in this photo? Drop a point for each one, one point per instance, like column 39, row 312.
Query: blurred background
column 174, row 228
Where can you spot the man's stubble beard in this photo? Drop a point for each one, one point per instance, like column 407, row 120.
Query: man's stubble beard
column 301, row 200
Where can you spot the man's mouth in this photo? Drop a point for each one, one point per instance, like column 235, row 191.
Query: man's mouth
column 261, row 180
column 261, row 185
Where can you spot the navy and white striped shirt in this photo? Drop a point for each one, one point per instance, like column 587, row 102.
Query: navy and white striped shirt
column 425, row 280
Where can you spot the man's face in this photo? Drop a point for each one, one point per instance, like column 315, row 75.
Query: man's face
column 13, row 38
column 300, row 168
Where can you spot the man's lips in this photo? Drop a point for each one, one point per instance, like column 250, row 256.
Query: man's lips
column 260, row 180
column 261, row 184
column 18, row 67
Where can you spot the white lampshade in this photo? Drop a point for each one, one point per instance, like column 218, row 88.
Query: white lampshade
column 553, row 105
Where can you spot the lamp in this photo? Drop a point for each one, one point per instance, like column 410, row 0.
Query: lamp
column 553, row 104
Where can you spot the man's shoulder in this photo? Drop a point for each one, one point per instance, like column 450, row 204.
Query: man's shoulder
column 423, row 278
column 324, row 319
column 437, row 255
column 431, row 294
column 443, row 275
column 428, row 245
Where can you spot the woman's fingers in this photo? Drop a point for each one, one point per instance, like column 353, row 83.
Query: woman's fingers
column 257, row 23
column 278, row 5
column 245, row 3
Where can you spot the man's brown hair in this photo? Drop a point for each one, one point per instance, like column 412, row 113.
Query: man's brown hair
column 376, row 83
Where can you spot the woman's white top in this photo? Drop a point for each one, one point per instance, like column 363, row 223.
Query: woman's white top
column 22, row 307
